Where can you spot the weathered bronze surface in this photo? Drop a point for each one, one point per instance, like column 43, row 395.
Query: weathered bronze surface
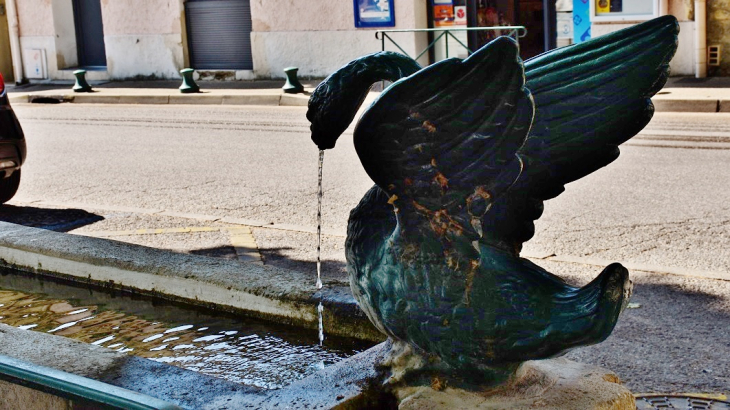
column 463, row 154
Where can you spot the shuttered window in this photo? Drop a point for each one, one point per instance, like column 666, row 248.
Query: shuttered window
column 219, row 34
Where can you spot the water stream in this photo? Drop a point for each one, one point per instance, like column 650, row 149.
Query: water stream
column 320, row 194
column 241, row 350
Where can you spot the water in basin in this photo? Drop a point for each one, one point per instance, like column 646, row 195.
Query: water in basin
column 242, row 350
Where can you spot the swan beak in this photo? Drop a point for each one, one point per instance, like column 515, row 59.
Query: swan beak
column 322, row 140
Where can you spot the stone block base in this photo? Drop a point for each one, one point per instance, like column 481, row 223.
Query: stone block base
column 361, row 382
column 556, row 384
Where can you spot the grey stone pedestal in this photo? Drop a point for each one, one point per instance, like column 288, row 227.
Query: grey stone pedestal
column 556, row 384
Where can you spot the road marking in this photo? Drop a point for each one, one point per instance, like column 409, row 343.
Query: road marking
column 245, row 245
column 104, row 234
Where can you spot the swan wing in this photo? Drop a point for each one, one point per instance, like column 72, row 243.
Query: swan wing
column 589, row 98
column 443, row 142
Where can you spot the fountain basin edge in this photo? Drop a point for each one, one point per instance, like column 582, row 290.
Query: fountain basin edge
column 270, row 293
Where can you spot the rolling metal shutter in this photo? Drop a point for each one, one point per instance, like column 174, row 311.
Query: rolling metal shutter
column 219, row 34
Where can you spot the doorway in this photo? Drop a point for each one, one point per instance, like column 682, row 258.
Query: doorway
column 491, row 13
column 532, row 16
column 89, row 33
column 219, row 34
column 6, row 60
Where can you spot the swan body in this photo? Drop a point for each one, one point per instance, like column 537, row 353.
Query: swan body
column 463, row 154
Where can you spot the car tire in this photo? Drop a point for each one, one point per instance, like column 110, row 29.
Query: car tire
column 9, row 186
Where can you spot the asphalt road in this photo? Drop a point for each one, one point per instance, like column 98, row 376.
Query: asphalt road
column 100, row 169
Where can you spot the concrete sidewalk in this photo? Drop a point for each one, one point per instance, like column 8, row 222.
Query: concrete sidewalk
column 681, row 94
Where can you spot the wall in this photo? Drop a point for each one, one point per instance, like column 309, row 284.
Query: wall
column 63, row 24
column 683, row 61
column 718, row 33
column 143, row 38
column 20, row 397
column 319, row 36
column 35, row 18
column 683, row 10
column 35, row 25
column 6, row 53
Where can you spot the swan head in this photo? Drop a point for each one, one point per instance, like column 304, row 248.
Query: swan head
column 328, row 114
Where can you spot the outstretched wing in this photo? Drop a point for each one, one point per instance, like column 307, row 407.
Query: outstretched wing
column 442, row 142
column 589, row 98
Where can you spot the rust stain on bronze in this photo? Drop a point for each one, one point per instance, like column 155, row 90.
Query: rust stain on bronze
column 490, row 349
column 437, row 384
column 428, row 125
column 441, row 222
column 479, row 192
column 482, row 192
column 473, row 268
column 409, row 252
column 451, row 261
column 441, row 180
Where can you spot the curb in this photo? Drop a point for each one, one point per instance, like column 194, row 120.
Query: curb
column 271, row 99
column 265, row 292
column 669, row 100
column 690, row 105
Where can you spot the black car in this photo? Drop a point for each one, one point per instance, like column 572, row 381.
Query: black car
column 12, row 147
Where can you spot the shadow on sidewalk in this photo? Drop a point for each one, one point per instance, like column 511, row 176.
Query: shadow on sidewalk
column 59, row 220
column 676, row 341
column 332, row 270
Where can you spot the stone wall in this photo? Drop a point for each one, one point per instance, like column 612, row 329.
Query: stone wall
column 35, row 18
column 146, row 38
column 143, row 38
column 65, row 34
column 35, row 24
column 319, row 36
column 718, row 33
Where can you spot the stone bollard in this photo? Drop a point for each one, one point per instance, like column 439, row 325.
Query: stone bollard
column 81, row 85
column 188, row 84
column 292, row 86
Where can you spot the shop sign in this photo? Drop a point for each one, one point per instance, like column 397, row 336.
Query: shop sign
column 581, row 21
column 443, row 13
column 460, row 15
column 621, row 10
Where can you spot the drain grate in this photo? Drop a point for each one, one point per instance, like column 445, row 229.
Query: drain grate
column 683, row 402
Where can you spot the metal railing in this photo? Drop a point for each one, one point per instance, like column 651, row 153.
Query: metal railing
column 515, row 32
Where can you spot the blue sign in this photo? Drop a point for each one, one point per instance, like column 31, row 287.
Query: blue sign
column 581, row 21
column 374, row 13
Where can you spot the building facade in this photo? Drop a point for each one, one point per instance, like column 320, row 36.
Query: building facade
column 256, row 39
